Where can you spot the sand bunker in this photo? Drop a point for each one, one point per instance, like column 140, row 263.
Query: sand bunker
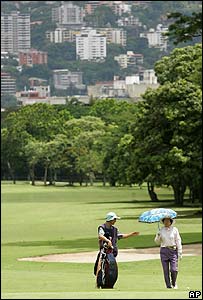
column 124, row 255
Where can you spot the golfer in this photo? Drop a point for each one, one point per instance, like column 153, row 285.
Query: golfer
column 170, row 251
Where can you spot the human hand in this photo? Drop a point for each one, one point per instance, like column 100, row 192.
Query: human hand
column 135, row 233
column 110, row 244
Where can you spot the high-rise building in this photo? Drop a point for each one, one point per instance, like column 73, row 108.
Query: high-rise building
column 8, row 84
column 90, row 45
column 68, row 14
column 15, row 32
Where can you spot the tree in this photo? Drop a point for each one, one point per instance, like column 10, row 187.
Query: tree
column 85, row 135
column 165, row 141
column 103, row 15
column 60, row 54
column 8, row 101
column 13, row 141
column 76, row 108
column 54, row 157
column 153, row 13
column 38, row 124
column 174, row 145
column 33, row 153
column 118, row 115
column 113, row 111
column 182, row 63
column 185, row 28
column 42, row 121
column 41, row 71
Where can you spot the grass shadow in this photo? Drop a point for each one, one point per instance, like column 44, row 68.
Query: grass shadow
column 85, row 244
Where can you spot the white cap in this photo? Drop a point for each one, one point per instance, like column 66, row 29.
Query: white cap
column 111, row 216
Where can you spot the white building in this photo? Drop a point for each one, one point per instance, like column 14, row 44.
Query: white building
column 133, row 79
column 113, row 35
column 117, row 36
column 56, row 36
column 15, row 32
column 62, row 34
column 68, row 14
column 90, row 45
column 119, row 8
column 42, row 90
column 156, row 38
column 130, row 21
column 129, row 59
column 131, row 86
column 35, row 92
column 148, row 77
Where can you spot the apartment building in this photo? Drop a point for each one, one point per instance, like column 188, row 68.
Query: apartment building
column 156, row 38
column 61, row 34
column 129, row 59
column 15, row 32
column 118, row 7
column 8, row 84
column 129, row 21
column 114, row 35
column 68, row 14
column 63, row 79
column 32, row 57
column 90, row 45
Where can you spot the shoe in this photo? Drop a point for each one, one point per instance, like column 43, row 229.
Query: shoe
column 175, row 287
column 169, row 287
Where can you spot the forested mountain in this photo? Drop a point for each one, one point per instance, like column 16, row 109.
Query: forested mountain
column 63, row 55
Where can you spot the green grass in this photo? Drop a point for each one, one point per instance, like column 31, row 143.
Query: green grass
column 43, row 220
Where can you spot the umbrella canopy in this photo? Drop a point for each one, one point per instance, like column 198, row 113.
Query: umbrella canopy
column 156, row 215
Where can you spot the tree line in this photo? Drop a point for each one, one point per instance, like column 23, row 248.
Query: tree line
column 156, row 140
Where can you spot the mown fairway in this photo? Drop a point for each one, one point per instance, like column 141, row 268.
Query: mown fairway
column 43, row 220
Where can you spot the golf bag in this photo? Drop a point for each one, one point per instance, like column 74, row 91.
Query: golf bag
column 108, row 272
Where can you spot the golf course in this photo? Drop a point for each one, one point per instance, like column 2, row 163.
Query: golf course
column 42, row 220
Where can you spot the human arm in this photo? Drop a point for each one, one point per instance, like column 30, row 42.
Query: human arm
column 178, row 242
column 157, row 238
column 102, row 237
column 127, row 235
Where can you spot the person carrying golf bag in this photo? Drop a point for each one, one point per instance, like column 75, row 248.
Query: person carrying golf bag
column 105, row 268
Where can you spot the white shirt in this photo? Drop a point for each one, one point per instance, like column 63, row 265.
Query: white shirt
column 169, row 236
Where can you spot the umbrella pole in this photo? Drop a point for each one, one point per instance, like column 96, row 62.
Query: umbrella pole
column 158, row 226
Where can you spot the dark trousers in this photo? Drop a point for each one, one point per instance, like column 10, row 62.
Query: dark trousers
column 169, row 258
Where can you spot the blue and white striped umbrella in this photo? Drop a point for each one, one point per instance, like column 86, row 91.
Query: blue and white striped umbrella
column 156, row 215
